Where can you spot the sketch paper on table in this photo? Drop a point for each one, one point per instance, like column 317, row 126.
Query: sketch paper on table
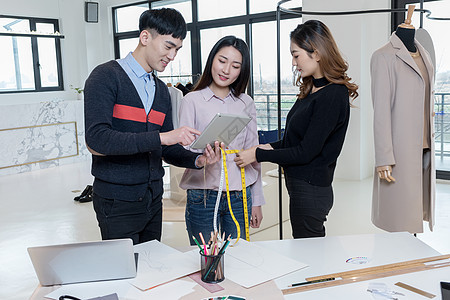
column 159, row 264
column 248, row 264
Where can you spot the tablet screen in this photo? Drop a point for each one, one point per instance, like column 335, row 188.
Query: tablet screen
column 223, row 128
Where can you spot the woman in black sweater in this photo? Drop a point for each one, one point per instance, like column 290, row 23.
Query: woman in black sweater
column 315, row 128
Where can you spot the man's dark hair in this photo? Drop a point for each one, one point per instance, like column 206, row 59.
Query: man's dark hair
column 165, row 21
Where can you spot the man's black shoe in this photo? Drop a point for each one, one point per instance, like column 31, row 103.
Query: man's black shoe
column 87, row 198
column 87, row 191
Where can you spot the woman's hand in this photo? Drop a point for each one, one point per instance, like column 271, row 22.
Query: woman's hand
column 257, row 217
column 245, row 157
column 210, row 156
column 265, row 147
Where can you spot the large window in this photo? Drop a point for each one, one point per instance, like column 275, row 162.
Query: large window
column 30, row 55
column 259, row 6
column 127, row 17
column 211, row 35
column 180, row 69
column 219, row 9
column 265, row 72
column 126, row 27
column 126, row 33
column 209, row 20
column 183, row 6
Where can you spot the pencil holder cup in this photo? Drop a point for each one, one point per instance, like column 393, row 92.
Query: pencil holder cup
column 212, row 267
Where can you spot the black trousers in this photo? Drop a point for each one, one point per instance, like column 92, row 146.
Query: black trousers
column 139, row 220
column 309, row 206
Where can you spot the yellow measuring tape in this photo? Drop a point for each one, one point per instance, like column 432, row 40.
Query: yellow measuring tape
column 244, row 195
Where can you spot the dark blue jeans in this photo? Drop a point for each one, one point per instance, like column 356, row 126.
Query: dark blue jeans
column 200, row 218
column 139, row 220
column 309, row 206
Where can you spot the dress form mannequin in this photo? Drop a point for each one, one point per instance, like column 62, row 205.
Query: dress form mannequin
column 402, row 80
column 406, row 33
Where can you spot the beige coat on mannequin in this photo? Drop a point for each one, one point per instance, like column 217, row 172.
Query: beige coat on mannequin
column 398, row 91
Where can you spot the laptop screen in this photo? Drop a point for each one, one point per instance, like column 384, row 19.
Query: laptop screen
column 84, row 262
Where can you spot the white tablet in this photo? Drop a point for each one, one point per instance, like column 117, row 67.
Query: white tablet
column 223, row 128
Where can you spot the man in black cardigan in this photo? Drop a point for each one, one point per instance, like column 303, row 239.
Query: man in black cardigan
column 129, row 131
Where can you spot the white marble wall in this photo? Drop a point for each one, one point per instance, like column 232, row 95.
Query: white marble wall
column 41, row 135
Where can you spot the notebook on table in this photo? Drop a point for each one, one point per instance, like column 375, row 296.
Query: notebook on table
column 84, row 262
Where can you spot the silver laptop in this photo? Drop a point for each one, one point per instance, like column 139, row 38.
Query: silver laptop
column 84, row 262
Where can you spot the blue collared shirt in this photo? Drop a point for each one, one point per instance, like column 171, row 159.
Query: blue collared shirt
column 142, row 81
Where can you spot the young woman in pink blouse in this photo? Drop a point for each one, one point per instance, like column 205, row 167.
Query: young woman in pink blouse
column 221, row 89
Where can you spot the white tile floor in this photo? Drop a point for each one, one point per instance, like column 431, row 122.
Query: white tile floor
column 37, row 208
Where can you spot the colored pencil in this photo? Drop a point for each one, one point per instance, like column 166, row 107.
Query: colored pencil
column 198, row 244
column 204, row 244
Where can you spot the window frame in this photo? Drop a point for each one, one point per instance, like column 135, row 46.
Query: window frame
column 126, row 34
column 35, row 53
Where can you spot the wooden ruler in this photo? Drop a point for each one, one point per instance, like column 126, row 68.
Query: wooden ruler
column 388, row 270
column 415, row 290
column 382, row 268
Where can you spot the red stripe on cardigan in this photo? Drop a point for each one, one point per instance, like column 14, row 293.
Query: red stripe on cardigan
column 129, row 113
column 156, row 117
